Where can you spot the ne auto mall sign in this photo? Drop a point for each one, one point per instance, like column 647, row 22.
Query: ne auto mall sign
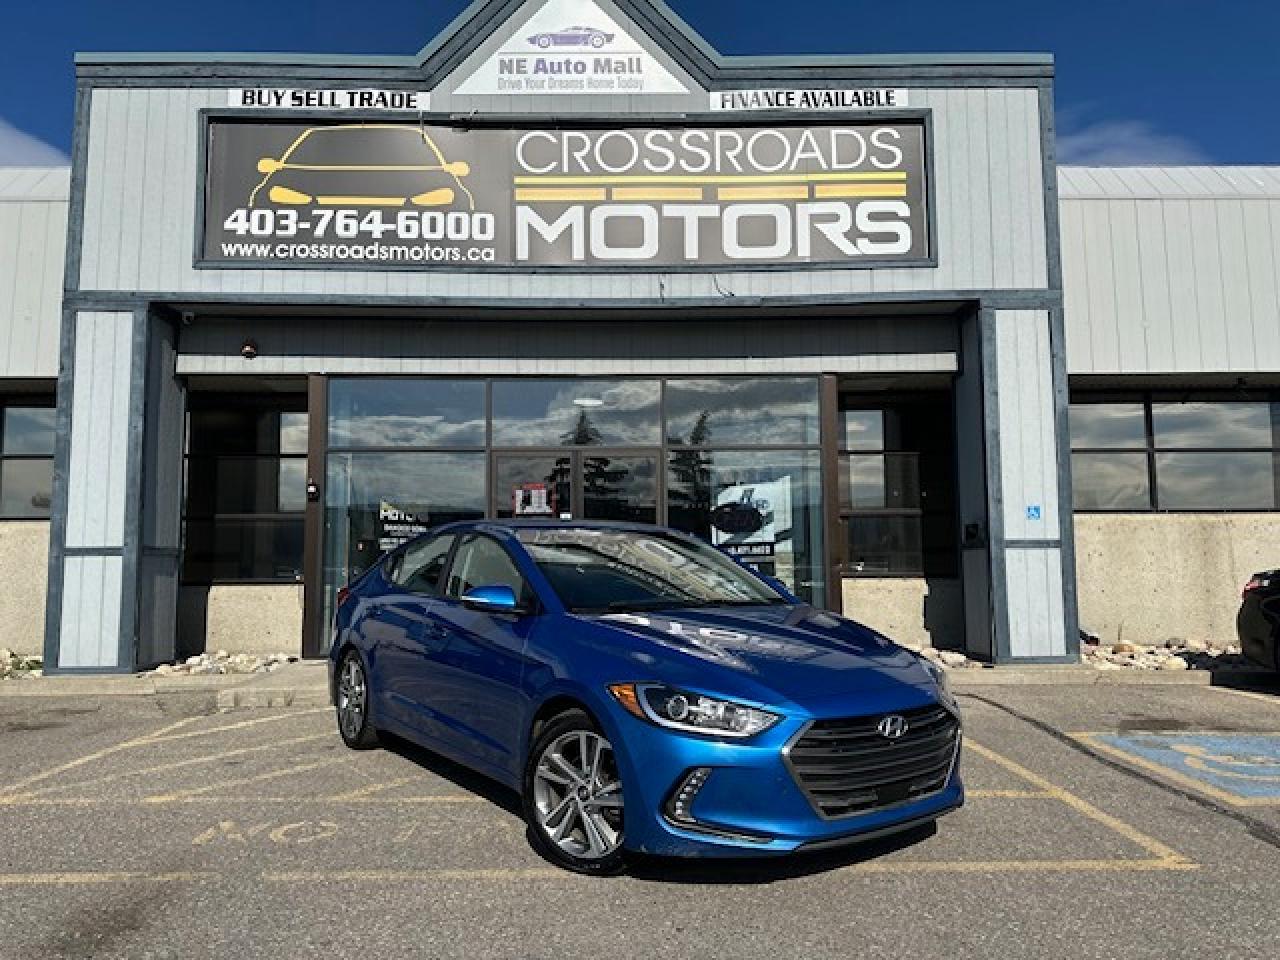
column 381, row 195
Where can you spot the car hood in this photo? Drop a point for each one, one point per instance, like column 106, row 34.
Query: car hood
column 794, row 654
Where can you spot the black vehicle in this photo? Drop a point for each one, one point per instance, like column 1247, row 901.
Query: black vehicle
column 1258, row 622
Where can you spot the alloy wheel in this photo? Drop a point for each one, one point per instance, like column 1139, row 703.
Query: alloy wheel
column 352, row 698
column 578, row 795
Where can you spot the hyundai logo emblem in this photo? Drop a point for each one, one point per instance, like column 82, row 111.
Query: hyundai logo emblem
column 892, row 727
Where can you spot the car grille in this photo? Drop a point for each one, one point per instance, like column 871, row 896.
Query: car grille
column 846, row 766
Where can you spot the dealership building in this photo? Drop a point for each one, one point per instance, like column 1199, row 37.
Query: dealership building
column 843, row 316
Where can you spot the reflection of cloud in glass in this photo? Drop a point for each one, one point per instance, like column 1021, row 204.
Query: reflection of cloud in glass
column 432, row 484
column 1108, row 425
column 863, row 429
column 424, row 430
column 1204, row 424
column 405, row 413
column 293, row 433
column 1216, row 481
column 764, row 410
column 1109, row 481
column 547, row 412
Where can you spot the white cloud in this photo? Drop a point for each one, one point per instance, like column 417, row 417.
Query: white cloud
column 1126, row 143
column 18, row 149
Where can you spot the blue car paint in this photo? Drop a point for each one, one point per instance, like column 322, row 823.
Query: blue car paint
column 472, row 691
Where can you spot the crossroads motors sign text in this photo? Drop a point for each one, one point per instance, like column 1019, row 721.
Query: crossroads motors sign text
column 380, row 195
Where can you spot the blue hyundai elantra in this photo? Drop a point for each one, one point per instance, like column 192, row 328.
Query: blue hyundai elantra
column 643, row 692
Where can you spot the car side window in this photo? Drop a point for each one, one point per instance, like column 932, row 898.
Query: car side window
column 483, row 562
column 422, row 564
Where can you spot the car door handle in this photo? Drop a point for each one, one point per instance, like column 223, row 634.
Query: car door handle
column 428, row 632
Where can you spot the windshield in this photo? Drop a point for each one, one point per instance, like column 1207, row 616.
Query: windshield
column 598, row 571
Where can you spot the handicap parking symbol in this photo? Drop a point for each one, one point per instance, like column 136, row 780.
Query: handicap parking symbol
column 1239, row 768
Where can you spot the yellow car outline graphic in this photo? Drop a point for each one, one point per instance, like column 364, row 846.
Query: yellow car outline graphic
column 269, row 167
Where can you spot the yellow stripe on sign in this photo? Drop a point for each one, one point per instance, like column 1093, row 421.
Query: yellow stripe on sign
column 657, row 193
column 361, row 201
column 559, row 196
column 764, row 193
column 827, row 191
column 548, row 180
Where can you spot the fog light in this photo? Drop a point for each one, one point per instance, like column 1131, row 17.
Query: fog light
column 681, row 803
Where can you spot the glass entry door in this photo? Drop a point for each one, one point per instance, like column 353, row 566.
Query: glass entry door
column 577, row 485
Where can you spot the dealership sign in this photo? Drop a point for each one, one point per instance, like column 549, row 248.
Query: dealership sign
column 870, row 98
column 403, row 195
column 570, row 47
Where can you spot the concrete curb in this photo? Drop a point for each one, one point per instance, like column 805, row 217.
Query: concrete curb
column 1090, row 677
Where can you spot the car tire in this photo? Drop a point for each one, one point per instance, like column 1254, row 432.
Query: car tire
column 544, row 42
column 597, row 42
column 573, row 797
column 351, row 701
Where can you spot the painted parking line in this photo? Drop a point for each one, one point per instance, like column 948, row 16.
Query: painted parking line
column 39, row 791
column 165, row 734
column 1239, row 769
column 1164, row 857
column 92, row 878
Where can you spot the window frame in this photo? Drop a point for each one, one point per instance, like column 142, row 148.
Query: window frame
column 278, row 405
column 526, row 596
column 28, row 402
column 851, row 401
column 1152, row 450
column 395, row 563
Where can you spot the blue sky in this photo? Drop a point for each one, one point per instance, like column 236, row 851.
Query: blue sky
column 1139, row 81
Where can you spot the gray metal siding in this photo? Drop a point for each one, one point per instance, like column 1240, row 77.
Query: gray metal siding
column 1028, row 451
column 99, row 430
column 90, row 618
column 141, row 205
column 1037, row 625
column 33, row 241
column 746, row 346
column 1175, row 272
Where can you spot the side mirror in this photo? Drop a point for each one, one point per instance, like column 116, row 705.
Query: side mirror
column 269, row 165
column 500, row 599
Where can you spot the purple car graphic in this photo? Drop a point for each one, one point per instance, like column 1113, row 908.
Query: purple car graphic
column 572, row 37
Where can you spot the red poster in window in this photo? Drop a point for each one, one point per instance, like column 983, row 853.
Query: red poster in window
column 533, row 500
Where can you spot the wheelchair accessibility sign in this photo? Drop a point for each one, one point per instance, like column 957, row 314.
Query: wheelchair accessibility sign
column 1240, row 769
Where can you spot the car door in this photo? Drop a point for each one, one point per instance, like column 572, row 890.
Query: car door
column 476, row 685
column 409, row 637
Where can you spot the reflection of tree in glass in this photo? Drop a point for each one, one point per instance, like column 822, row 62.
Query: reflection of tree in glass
column 583, row 434
column 690, row 494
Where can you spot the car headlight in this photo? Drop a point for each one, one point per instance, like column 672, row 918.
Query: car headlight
column 691, row 712
column 939, row 675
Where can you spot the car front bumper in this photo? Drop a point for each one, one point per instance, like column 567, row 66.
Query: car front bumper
column 749, row 804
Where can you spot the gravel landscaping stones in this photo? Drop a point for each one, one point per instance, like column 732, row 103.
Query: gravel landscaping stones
column 16, row 666
column 222, row 663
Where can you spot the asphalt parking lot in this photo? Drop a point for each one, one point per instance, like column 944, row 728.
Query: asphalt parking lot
column 1101, row 822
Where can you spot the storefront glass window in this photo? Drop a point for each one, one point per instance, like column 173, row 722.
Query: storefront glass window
column 406, row 413
column 1216, row 481
column 577, row 449
column 764, row 510
column 246, row 489
column 1199, row 423
column 1203, row 452
column 26, row 462
column 376, row 501
column 1102, row 481
column 1105, row 425
column 575, row 413
column 897, row 498
column 739, row 412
